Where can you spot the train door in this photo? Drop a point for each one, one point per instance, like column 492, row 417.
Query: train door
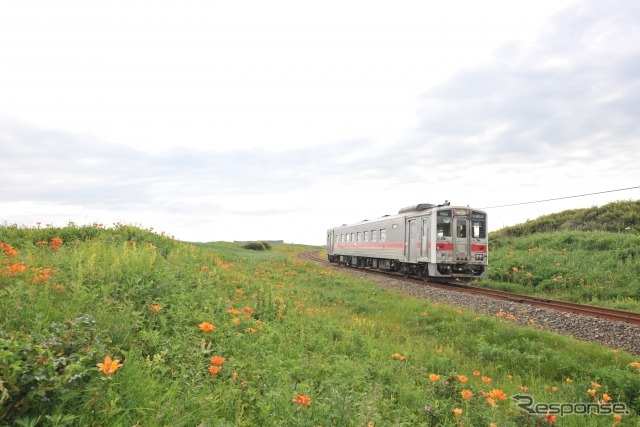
column 461, row 240
column 426, row 237
column 413, row 241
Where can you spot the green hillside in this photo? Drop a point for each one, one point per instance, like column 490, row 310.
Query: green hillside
column 616, row 217
column 583, row 255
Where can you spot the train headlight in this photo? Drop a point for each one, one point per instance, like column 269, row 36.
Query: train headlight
column 479, row 257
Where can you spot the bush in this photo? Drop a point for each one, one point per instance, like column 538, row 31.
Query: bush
column 266, row 245
column 255, row 246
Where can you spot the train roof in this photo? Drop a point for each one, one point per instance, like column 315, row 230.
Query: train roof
column 408, row 211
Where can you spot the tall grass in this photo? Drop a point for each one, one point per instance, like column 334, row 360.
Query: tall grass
column 217, row 335
column 598, row 268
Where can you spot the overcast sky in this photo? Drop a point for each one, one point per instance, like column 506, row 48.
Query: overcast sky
column 259, row 119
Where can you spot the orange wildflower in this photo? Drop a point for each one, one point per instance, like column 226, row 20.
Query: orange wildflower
column 214, row 369
column 41, row 278
column 252, row 330
column 7, row 249
column 56, row 242
column 398, row 356
column 233, row 311
column 156, row 307
column 457, row 412
column 491, row 401
column 592, row 392
column 595, row 384
column 497, row 394
column 524, row 388
column 635, row 364
column 486, row 380
column 302, row 399
column 463, row 379
column 434, row 377
column 569, row 380
column 109, row 366
column 550, row 418
column 204, row 268
column 466, row 394
column 476, row 373
column 606, row 398
column 217, row 360
column 617, row 418
column 16, row 268
column 206, row 327
column 248, row 310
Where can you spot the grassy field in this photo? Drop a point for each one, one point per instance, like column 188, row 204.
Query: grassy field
column 122, row 326
column 589, row 255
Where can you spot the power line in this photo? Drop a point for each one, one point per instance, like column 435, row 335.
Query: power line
column 561, row 198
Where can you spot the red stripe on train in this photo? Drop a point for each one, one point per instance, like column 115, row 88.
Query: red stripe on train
column 370, row 245
column 444, row 246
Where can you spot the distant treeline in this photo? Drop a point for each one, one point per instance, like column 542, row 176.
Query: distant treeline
column 617, row 217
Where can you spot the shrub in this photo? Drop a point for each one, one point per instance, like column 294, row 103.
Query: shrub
column 255, row 246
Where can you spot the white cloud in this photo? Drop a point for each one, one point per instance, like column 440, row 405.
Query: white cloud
column 277, row 120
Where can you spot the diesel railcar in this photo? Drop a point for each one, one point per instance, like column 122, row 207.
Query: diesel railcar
column 424, row 240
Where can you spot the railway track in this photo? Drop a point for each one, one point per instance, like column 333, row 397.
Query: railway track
column 568, row 307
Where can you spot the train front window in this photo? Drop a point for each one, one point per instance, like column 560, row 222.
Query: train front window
column 479, row 228
column 461, row 228
column 444, row 224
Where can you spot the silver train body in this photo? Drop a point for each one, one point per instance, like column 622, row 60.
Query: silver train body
column 424, row 240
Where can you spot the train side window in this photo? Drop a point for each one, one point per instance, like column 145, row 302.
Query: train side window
column 374, row 235
column 359, row 236
column 383, row 235
column 353, row 237
column 366, row 236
